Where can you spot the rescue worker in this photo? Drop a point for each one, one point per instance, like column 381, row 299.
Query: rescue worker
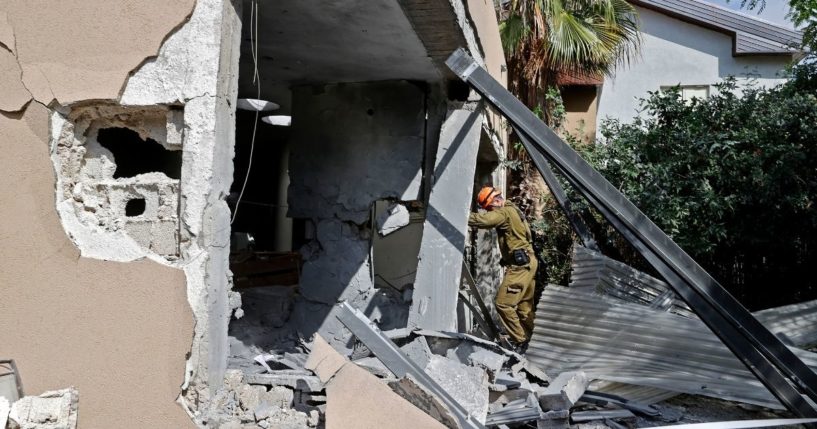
column 514, row 298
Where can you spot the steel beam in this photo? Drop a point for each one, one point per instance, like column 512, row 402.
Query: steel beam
column 397, row 362
column 776, row 366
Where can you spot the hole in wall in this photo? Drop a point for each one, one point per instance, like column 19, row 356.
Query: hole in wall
column 135, row 207
column 370, row 112
column 135, row 156
column 458, row 90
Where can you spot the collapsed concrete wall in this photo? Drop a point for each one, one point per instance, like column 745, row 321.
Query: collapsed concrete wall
column 118, row 332
column 100, row 105
column 352, row 144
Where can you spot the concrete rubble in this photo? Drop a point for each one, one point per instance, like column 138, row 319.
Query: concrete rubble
column 52, row 410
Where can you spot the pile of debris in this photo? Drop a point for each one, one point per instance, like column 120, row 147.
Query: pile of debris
column 617, row 342
column 410, row 378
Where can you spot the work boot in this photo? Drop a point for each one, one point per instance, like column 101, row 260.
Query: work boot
column 519, row 348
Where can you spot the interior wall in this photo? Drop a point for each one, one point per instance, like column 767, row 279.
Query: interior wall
column 352, row 144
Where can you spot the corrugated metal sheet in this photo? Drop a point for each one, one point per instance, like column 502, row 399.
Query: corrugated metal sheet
column 592, row 270
column 759, row 36
column 796, row 323
column 629, row 343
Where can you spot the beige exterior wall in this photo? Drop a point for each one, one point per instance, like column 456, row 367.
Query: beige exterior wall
column 120, row 332
column 581, row 108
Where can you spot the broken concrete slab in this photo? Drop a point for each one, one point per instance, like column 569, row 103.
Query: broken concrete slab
column 298, row 380
column 479, row 356
column 564, row 391
column 324, row 360
column 395, row 217
column 408, row 388
column 351, row 389
column 52, row 410
column 466, row 384
column 439, row 272
column 251, row 397
column 397, row 362
column 355, row 398
column 418, row 351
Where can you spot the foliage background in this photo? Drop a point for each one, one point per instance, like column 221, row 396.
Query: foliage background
column 732, row 179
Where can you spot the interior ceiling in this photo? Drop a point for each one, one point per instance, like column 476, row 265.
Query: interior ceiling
column 311, row 41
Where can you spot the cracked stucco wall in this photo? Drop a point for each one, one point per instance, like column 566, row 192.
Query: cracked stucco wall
column 131, row 324
column 371, row 138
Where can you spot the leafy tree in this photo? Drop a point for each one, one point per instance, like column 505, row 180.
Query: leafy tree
column 732, row 178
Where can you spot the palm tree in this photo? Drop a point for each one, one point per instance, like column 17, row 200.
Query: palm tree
column 545, row 39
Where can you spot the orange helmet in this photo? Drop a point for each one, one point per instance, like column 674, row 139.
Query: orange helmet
column 486, row 196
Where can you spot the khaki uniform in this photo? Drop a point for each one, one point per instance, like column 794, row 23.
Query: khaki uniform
column 514, row 299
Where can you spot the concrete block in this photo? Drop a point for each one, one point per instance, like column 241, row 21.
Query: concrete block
column 165, row 237
column 466, row 384
column 478, row 356
column 418, row 351
column 394, row 218
column 51, row 410
column 250, row 396
column 564, row 391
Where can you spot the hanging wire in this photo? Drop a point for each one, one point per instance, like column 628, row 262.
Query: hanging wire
column 256, row 80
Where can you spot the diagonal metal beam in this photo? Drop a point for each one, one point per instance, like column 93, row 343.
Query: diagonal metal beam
column 576, row 222
column 776, row 366
column 397, row 361
column 493, row 330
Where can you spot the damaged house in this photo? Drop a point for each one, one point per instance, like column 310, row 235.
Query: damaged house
column 158, row 234
column 248, row 213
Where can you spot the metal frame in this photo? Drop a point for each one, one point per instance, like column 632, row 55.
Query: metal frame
column 786, row 376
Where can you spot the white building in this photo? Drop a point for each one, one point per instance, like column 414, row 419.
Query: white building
column 690, row 43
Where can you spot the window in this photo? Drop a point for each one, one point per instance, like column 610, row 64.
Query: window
column 688, row 92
